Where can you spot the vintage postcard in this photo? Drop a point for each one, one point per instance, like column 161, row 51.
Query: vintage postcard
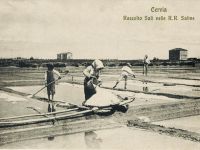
column 100, row 74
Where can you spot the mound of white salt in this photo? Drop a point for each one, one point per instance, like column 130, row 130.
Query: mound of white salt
column 102, row 98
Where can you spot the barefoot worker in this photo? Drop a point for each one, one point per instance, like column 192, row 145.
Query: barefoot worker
column 146, row 64
column 50, row 83
column 92, row 74
column 126, row 71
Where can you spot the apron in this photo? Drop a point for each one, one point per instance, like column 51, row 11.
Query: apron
column 51, row 87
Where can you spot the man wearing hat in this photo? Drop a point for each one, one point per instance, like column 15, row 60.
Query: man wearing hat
column 126, row 71
column 50, row 83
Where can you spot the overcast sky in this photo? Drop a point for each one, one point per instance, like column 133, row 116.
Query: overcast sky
column 96, row 29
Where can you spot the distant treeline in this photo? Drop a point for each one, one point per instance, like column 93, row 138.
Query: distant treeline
column 20, row 62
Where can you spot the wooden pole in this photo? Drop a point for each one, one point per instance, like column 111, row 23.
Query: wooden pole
column 40, row 120
column 42, row 114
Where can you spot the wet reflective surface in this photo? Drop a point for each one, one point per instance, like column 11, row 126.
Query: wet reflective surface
column 118, row 138
column 92, row 140
column 145, row 87
column 191, row 123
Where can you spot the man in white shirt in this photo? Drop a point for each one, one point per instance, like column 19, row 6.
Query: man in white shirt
column 146, row 64
column 126, row 71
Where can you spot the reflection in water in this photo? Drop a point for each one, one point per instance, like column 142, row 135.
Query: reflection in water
column 145, row 89
column 50, row 138
column 91, row 140
column 51, row 107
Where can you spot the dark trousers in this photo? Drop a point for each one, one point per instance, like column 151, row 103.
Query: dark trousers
column 89, row 89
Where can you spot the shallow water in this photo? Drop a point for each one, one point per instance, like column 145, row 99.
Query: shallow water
column 191, row 123
column 73, row 93
column 64, row 91
column 120, row 138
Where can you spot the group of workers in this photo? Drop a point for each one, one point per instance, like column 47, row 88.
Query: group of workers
column 92, row 74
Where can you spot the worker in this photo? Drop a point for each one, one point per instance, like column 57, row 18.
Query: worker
column 126, row 71
column 146, row 64
column 50, row 84
column 92, row 79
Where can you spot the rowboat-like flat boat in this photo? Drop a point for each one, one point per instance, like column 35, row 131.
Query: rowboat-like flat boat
column 71, row 111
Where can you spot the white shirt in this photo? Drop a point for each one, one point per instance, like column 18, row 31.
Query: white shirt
column 90, row 71
column 55, row 72
column 127, row 70
column 146, row 61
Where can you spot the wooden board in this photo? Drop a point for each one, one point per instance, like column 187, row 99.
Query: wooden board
column 56, row 115
column 41, row 120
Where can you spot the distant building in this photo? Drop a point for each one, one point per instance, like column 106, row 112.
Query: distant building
column 64, row 56
column 178, row 54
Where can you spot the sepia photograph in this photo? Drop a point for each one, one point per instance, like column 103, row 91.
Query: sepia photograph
column 100, row 74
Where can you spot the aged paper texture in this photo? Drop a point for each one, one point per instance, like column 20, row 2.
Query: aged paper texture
column 100, row 74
